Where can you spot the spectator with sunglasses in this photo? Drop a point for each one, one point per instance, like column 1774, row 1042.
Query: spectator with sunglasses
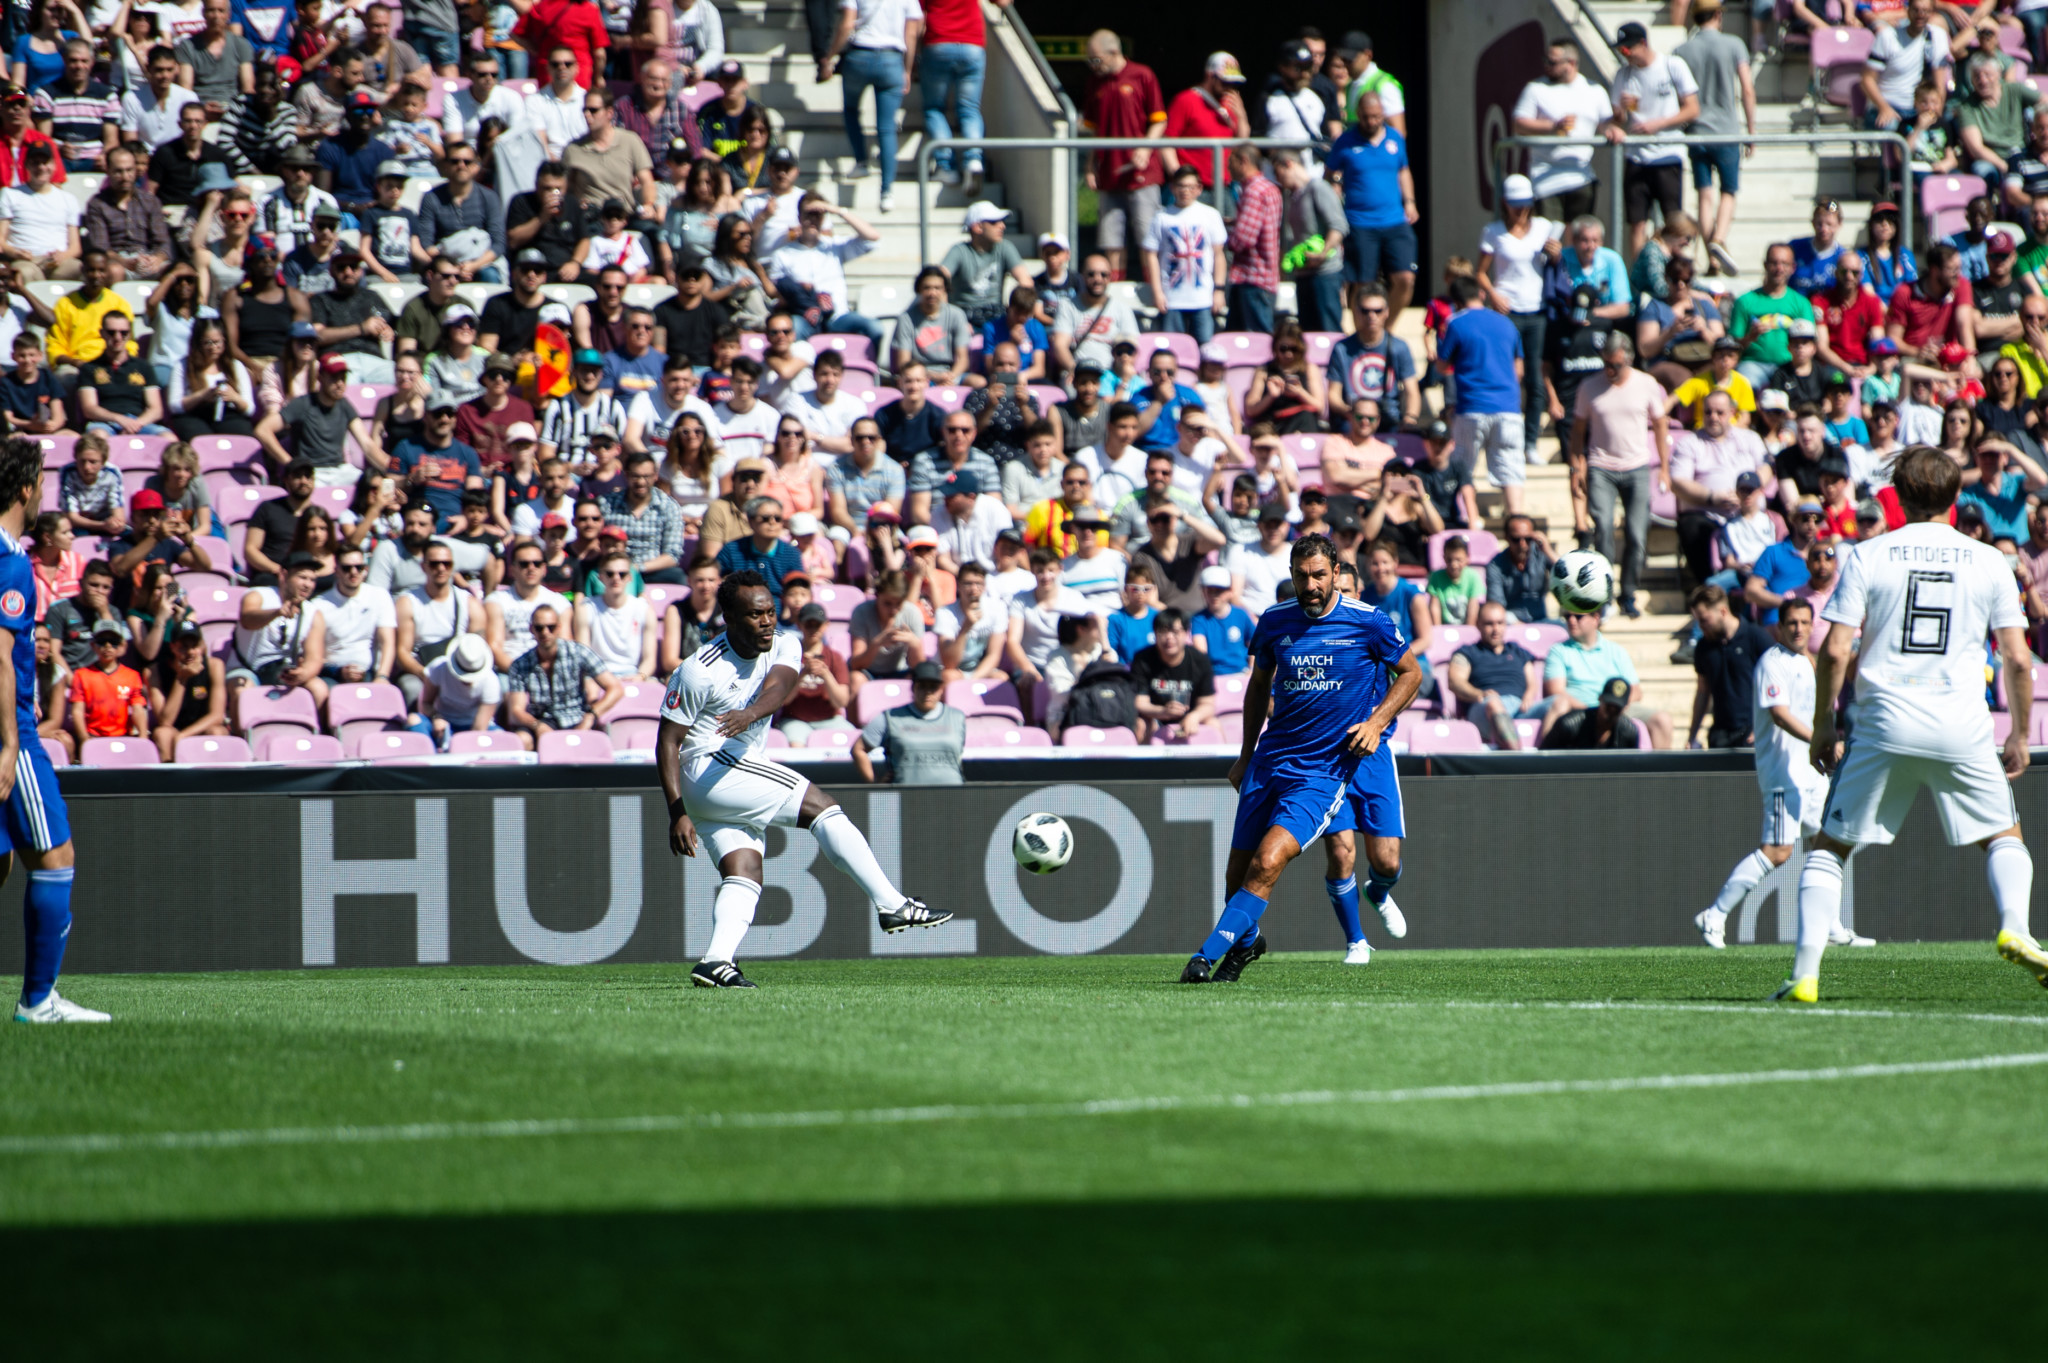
column 551, row 685
column 465, row 221
column 1781, row 569
column 764, row 551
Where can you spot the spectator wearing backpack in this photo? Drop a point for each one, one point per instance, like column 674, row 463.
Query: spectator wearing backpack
column 1176, row 687
column 1081, row 646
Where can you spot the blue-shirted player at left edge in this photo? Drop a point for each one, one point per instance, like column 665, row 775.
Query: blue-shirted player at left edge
column 37, row 827
column 1334, row 674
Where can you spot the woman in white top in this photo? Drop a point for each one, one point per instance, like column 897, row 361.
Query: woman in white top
column 209, row 393
column 1512, row 256
column 618, row 627
column 173, row 308
column 693, row 469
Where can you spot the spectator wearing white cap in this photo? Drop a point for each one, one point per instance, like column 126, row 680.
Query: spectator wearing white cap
column 1562, row 104
column 1212, row 108
column 461, row 690
column 1223, row 629
column 975, row 267
column 1513, row 254
column 456, row 368
column 617, row 626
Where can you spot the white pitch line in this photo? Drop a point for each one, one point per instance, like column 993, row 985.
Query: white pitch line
column 115, row 1142
column 1606, row 1006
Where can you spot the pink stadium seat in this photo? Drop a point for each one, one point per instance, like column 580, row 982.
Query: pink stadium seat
column 52, row 479
column 1239, row 381
column 1231, row 726
column 211, row 604
column 839, row 639
column 1943, row 193
column 1204, row 734
column 1011, row 737
column 700, row 94
column 526, row 85
column 1185, row 351
column 839, row 601
column 986, row 731
column 1306, row 449
column 1838, row 55
column 1529, row 730
column 876, row 397
column 983, row 697
column 632, row 734
column 223, row 751
column 298, row 746
column 1998, row 686
column 947, row 397
column 55, row 752
column 220, row 639
column 850, row 347
column 399, row 745
column 217, row 552
column 57, row 449
column 118, row 752
column 1442, row 735
column 642, row 700
column 2001, row 727
column 659, row 596
column 574, row 747
column 1538, row 638
column 142, row 453
column 776, row 739
column 1321, row 344
column 356, row 710
column 753, row 344
column 364, row 397
column 1230, row 693
column 1481, row 545
column 830, row 743
column 221, row 452
column 878, row 696
column 485, row 745
column 235, row 502
column 1252, row 348
column 1049, row 396
column 262, row 711
column 198, row 579
column 332, row 500
column 1082, row 736
column 88, row 547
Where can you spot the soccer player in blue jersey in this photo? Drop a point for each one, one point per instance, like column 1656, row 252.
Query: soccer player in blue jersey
column 36, row 825
column 1374, row 810
column 1334, row 673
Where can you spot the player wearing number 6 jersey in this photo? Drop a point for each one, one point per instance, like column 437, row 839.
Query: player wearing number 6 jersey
column 714, row 724
column 1924, row 596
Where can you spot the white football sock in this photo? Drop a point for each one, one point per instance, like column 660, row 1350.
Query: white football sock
column 732, row 913
column 845, row 848
column 2010, row 867
column 1820, row 904
column 1741, row 881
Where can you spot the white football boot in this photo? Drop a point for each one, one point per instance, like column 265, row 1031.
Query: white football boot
column 1358, row 953
column 1390, row 914
column 56, row 1008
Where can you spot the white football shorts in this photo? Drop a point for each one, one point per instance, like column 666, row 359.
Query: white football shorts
column 1792, row 810
column 1873, row 791
column 735, row 800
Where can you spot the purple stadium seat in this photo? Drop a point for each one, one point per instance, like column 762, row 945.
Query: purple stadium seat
column 1230, row 693
column 220, row 639
column 1306, row 449
column 776, row 739
column 484, row 746
column 220, row 452
column 1998, row 686
column 332, row 500
column 633, row 734
column 1442, row 735
column 575, row 747
column 1204, row 734
column 878, row 696
column 118, row 752
column 217, row 552
column 1480, row 544
column 1049, row 395
column 852, row 348
column 1247, row 348
column 1082, row 736
column 1838, row 55
column 1182, row 345
column 1529, row 730
column 401, row 745
column 753, row 344
column 839, row 601
column 298, row 746
column 947, row 397
column 1238, row 380
column 234, row 503
column 702, row 93
column 1014, row 736
column 987, row 731
column 1231, row 726
column 355, row 710
column 1944, row 193
column 1321, row 344
column 55, row 752
column 213, row 751
column 2001, row 727
column 364, row 397
column 140, row 453
column 2037, row 729
column 980, row 696
column 1538, row 638
column 642, row 700
column 51, row 495
column 836, row 743
column 199, row 579
column 211, row 604
column 659, row 596
column 875, row 396
column 57, row 449
column 261, row 711
column 839, row 639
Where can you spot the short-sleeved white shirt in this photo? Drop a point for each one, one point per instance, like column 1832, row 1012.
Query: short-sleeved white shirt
column 37, row 223
column 1185, row 240
column 1517, row 261
column 714, row 681
column 750, row 434
column 1925, row 596
column 456, row 700
column 1042, row 623
column 1659, row 89
column 1783, row 678
column 1560, row 169
column 353, row 622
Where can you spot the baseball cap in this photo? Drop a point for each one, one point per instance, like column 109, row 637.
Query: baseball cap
column 1009, row 534
column 187, row 630
column 300, row 155
column 1297, row 52
column 554, row 312
column 555, row 520
column 1358, row 40
column 920, row 536
column 1055, row 240
column 1517, row 190
column 1216, row 575
column 1728, row 343
column 728, row 70
column 361, row 103
column 961, row 483
column 443, row 401
column 751, row 464
column 981, row 210
column 1628, row 35
column 333, row 364
column 1089, row 519
column 1272, row 511
column 146, row 500
column 927, row 671
column 609, row 433
column 1834, row 466
column 1809, row 507
column 588, row 359
column 1345, row 520
column 289, row 70
column 1999, row 244
column 886, row 515
column 1225, row 67
column 457, row 312
column 1773, row 400
column 613, row 532
column 299, row 559
column 1747, row 482
column 532, row 255
column 803, row 523
column 501, row 363
column 109, row 627
column 1436, row 430
column 614, row 208
column 1953, row 354
column 813, row 614
column 782, row 156
column 1215, row 353
column 1884, row 345
column 345, row 256
column 327, row 213
column 796, row 575
column 1615, row 692
column 678, row 149
column 1800, row 329
column 391, row 169
column 1837, row 381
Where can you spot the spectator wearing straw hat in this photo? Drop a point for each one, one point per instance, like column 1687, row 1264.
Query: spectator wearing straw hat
column 462, row 691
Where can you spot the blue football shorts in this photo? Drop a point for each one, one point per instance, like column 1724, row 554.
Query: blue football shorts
column 1372, row 802
column 1302, row 806
column 36, row 817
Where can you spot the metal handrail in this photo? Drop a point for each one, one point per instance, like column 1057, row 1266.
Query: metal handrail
column 1216, row 146
column 1616, row 149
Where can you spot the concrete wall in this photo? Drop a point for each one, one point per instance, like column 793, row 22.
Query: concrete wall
column 1017, row 101
column 1481, row 55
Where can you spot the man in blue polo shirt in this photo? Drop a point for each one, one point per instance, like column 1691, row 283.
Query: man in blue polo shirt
column 1485, row 351
column 1782, row 567
column 1371, row 162
column 348, row 161
column 1161, row 402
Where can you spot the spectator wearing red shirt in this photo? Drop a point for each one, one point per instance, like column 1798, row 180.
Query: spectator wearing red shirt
column 108, row 699
column 1852, row 311
column 1935, row 310
column 1253, row 283
column 16, row 137
column 1125, row 102
column 578, row 25
column 950, row 69
column 1211, row 109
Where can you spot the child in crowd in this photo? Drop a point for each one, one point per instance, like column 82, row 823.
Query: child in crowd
column 90, row 492
column 1883, row 386
column 412, row 137
column 820, row 554
column 1843, row 428
column 1920, row 414
column 1457, row 590
column 1123, row 377
column 29, row 393
column 715, row 384
column 1211, row 383
column 617, row 245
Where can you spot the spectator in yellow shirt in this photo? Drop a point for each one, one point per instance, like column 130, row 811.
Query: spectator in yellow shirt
column 1721, row 376
column 74, row 337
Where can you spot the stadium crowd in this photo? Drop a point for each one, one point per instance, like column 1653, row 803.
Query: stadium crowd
column 399, row 411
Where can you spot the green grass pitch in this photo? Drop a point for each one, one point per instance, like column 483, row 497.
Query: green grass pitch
column 899, row 1156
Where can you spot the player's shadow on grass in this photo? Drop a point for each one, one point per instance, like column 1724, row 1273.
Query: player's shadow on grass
column 1844, row 1276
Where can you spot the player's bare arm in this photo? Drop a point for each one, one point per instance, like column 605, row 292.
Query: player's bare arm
column 1782, row 716
column 1258, row 696
column 1829, row 668
column 1364, row 737
column 668, row 760
column 2017, row 660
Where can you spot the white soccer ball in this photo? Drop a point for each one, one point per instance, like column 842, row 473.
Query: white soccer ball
column 1042, row 843
column 1582, row 581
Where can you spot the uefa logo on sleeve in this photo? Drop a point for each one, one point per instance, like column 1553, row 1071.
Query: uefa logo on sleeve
column 11, row 603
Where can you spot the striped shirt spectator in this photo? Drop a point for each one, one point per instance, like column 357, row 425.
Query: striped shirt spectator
column 569, row 424
column 554, row 696
column 253, row 144
column 79, row 120
column 930, row 467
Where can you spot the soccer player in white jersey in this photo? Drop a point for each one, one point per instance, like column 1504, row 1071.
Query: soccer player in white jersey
column 714, row 723
column 1794, row 793
column 1924, row 597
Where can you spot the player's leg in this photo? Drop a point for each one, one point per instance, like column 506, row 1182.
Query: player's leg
column 1340, row 883
column 1275, row 820
column 1377, row 789
column 1772, row 850
column 732, row 912
column 1236, row 941
column 846, row 849
column 39, row 827
column 1867, row 803
column 1974, row 802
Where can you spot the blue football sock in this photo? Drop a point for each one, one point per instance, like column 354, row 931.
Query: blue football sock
column 47, row 909
column 1239, row 922
column 1344, row 899
column 1379, row 884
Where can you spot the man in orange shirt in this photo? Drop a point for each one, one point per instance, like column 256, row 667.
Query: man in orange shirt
column 108, row 699
column 1123, row 102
